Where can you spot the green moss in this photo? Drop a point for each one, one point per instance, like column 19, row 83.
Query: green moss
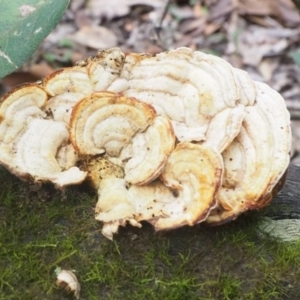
column 41, row 228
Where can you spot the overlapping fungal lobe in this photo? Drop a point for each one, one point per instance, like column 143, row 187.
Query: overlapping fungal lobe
column 184, row 196
column 195, row 172
column 188, row 87
column 17, row 109
column 273, row 107
column 145, row 157
column 29, row 143
column 66, row 87
column 105, row 69
column 68, row 80
column 246, row 86
column 257, row 158
column 37, row 148
column 59, row 108
column 106, row 122
column 224, row 127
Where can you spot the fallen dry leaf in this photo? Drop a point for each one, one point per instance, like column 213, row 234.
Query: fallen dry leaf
column 97, row 37
column 118, row 8
column 254, row 42
column 283, row 10
column 267, row 68
column 40, row 70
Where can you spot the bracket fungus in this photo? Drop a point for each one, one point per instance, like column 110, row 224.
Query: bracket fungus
column 174, row 139
column 30, row 143
column 106, row 122
column 184, row 195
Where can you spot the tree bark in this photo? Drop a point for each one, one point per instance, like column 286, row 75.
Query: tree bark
column 286, row 204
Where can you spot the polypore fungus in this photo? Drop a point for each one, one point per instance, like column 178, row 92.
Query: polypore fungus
column 184, row 195
column 29, row 143
column 190, row 88
column 257, row 159
column 146, row 156
column 106, row 122
column 174, row 139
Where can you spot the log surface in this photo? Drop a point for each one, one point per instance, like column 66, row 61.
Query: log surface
column 286, row 204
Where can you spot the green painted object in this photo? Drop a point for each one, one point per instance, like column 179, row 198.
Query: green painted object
column 23, row 26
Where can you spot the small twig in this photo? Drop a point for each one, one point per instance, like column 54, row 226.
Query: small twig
column 163, row 14
column 158, row 26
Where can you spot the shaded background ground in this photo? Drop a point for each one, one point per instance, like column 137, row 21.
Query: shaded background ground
column 42, row 228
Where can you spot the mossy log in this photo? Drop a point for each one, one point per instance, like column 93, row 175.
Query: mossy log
column 282, row 216
column 286, row 204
